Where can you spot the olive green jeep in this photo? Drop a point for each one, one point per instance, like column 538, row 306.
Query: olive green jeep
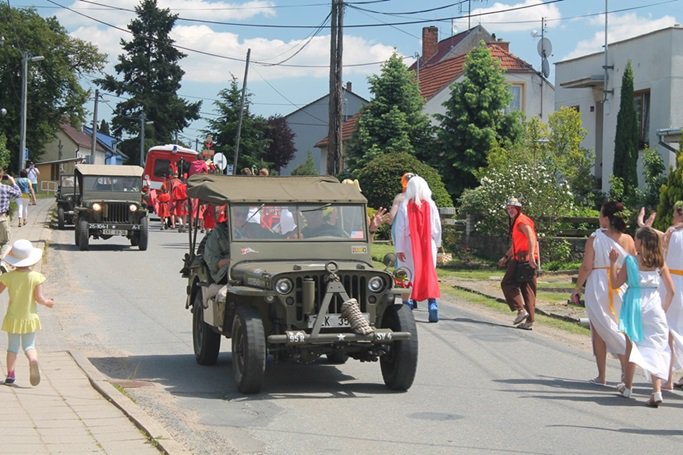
column 109, row 203
column 300, row 281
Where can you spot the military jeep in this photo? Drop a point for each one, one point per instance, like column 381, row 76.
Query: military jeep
column 300, row 282
column 109, row 203
column 66, row 200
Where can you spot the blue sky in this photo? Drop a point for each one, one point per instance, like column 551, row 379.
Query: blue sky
column 290, row 53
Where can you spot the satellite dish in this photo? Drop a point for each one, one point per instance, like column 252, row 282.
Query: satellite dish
column 545, row 67
column 220, row 160
column 544, row 47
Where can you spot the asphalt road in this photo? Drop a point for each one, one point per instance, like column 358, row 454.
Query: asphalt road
column 481, row 386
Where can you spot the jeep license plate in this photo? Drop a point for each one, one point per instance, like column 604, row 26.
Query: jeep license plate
column 333, row 320
column 114, row 232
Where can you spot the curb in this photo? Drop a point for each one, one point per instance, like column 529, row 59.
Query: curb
column 158, row 435
column 561, row 317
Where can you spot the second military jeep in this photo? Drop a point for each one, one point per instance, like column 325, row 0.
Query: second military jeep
column 109, row 203
column 300, row 282
column 66, row 200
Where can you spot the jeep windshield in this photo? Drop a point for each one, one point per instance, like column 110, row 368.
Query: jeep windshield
column 111, row 184
column 302, row 222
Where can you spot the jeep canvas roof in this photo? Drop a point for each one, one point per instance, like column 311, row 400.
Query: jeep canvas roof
column 220, row 189
column 101, row 169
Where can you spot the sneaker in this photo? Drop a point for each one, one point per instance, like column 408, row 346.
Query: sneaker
column 526, row 326
column 10, row 378
column 623, row 391
column 34, row 373
column 521, row 317
column 655, row 400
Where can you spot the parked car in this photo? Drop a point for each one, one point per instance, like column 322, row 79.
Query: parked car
column 300, row 284
column 109, row 203
column 66, row 200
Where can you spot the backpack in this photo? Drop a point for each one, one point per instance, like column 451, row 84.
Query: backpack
column 179, row 191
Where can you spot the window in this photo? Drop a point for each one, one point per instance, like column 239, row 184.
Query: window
column 641, row 100
column 515, row 105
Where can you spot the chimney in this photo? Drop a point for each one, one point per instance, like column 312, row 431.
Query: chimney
column 349, row 86
column 430, row 42
column 505, row 45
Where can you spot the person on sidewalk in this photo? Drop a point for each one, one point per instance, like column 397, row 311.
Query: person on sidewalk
column 643, row 312
column 395, row 205
column 32, row 172
column 8, row 193
column 27, row 195
column 602, row 299
column 520, row 295
column 21, row 321
column 418, row 237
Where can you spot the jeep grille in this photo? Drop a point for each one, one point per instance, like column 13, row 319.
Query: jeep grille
column 117, row 212
column 355, row 286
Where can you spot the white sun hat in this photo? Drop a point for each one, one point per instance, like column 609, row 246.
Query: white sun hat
column 23, row 254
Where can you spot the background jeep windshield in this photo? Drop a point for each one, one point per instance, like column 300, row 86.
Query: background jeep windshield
column 112, row 184
column 333, row 222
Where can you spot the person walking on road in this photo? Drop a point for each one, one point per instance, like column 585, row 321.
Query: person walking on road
column 642, row 317
column 520, row 295
column 21, row 321
column 418, row 237
column 27, row 195
column 602, row 298
column 8, row 193
column 673, row 257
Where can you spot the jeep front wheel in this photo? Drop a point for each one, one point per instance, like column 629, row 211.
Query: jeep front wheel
column 60, row 218
column 400, row 363
column 83, row 234
column 205, row 340
column 143, row 235
column 248, row 349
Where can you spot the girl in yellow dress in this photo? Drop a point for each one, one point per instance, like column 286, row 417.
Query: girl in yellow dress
column 21, row 320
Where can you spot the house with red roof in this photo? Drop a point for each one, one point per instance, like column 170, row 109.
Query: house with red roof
column 442, row 63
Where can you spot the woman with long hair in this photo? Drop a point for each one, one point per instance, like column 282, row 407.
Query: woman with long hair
column 602, row 298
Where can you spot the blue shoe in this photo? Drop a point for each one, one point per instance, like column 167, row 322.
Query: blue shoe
column 433, row 311
column 409, row 304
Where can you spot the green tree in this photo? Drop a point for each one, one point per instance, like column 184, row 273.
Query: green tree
column 253, row 141
column 474, row 122
column 5, row 157
column 671, row 192
column 281, row 149
column 380, row 179
column 307, row 167
column 104, row 127
column 655, row 177
column 54, row 92
column 393, row 122
column 627, row 136
column 151, row 77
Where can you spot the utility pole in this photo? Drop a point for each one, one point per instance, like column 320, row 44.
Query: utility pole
column 142, row 138
column 334, row 136
column 25, row 58
column 93, row 144
column 239, row 123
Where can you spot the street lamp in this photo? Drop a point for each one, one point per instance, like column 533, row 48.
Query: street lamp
column 25, row 58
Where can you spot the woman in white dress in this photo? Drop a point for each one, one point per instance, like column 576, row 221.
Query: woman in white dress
column 603, row 301
column 643, row 316
column 673, row 248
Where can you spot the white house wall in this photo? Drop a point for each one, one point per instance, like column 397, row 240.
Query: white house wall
column 531, row 99
column 657, row 61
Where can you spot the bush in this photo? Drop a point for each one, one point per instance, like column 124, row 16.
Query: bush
column 380, row 179
column 671, row 192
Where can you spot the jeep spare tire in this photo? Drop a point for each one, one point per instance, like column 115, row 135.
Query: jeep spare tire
column 205, row 340
column 248, row 349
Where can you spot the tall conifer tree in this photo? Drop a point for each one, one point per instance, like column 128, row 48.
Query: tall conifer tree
column 627, row 136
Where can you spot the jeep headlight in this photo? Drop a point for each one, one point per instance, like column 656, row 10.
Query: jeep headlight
column 376, row 284
column 284, row 286
column 133, row 208
column 97, row 207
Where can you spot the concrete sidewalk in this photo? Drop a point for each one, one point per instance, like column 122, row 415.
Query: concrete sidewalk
column 74, row 409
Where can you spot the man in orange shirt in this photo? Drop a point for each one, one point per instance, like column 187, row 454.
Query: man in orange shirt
column 520, row 294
